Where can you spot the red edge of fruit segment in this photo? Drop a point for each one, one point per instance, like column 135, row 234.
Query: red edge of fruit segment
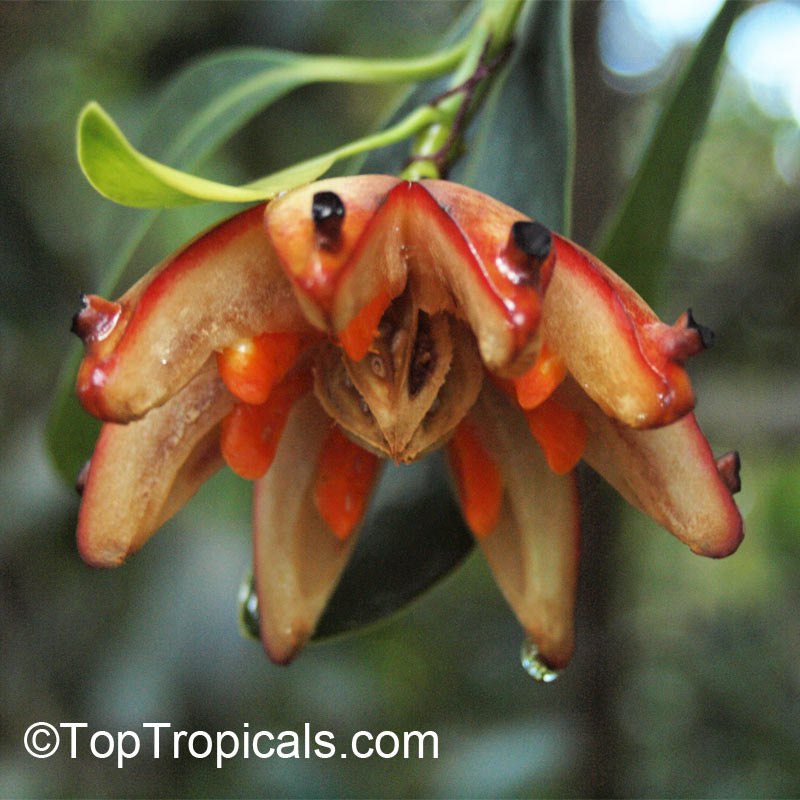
column 104, row 357
column 640, row 335
column 397, row 210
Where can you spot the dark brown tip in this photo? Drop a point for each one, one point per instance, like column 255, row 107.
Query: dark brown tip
column 706, row 334
column 95, row 319
column 686, row 338
column 78, row 326
column 327, row 212
column 532, row 238
column 728, row 467
column 527, row 251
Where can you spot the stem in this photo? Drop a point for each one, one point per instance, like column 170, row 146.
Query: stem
column 490, row 35
column 339, row 69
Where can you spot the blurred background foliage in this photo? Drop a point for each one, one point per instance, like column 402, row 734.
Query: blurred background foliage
column 686, row 680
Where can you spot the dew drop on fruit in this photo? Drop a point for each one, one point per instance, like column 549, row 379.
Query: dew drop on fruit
column 534, row 665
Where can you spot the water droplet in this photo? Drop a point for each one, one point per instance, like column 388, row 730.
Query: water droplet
column 248, row 608
column 534, row 664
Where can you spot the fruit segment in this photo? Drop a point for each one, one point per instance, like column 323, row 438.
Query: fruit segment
column 533, row 552
column 297, row 560
column 497, row 272
column 668, row 473
column 613, row 344
column 143, row 472
column 314, row 261
column 225, row 286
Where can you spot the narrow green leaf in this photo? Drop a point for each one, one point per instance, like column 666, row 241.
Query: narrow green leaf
column 636, row 243
column 120, row 172
column 71, row 432
column 123, row 174
column 223, row 91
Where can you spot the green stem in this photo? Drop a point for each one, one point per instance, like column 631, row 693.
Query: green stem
column 339, row 69
column 491, row 32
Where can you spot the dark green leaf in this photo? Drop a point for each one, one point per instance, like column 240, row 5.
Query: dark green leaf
column 71, row 432
column 636, row 242
column 412, row 537
column 520, row 148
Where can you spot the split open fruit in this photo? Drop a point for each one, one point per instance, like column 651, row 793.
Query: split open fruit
column 358, row 319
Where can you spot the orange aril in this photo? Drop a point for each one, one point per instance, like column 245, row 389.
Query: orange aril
column 357, row 336
column 345, row 475
column 480, row 486
column 250, row 433
column 541, row 380
column 251, row 367
column 560, row 432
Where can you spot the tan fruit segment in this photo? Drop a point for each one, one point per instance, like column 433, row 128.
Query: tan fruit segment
column 668, row 473
column 613, row 344
column 225, row 286
column 298, row 559
column 451, row 246
column 498, row 287
column 315, row 263
column 142, row 473
column 533, row 550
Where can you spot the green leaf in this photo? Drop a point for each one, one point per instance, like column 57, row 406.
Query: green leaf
column 636, row 243
column 520, row 149
column 120, row 172
column 71, row 432
column 234, row 87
